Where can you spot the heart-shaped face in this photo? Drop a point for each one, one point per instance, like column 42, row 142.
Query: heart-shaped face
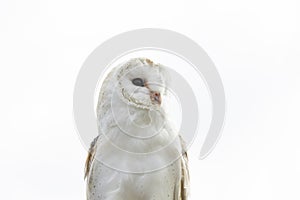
column 142, row 83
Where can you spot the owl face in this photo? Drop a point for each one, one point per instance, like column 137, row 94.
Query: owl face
column 143, row 84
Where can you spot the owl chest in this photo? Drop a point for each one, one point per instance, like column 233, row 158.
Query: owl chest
column 108, row 183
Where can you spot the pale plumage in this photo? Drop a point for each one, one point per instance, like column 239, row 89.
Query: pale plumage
column 137, row 155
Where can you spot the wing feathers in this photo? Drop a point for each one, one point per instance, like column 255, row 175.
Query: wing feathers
column 90, row 157
column 185, row 176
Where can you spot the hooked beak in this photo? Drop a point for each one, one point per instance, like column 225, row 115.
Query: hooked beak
column 155, row 97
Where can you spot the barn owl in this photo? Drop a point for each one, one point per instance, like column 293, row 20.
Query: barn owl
column 137, row 154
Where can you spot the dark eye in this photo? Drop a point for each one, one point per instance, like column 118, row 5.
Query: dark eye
column 138, row 82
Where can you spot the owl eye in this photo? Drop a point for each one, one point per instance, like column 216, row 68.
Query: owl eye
column 138, row 82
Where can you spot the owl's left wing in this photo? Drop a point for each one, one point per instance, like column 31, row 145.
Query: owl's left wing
column 185, row 176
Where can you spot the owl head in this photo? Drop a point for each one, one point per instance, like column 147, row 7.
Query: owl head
column 142, row 83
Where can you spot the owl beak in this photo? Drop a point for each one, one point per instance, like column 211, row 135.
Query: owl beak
column 155, row 97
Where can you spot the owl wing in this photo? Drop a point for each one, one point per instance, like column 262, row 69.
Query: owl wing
column 184, row 180
column 90, row 157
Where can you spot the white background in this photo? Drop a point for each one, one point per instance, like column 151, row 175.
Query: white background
column 254, row 44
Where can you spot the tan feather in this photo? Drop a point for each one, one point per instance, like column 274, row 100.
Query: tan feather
column 185, row 176
column 90, row 157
